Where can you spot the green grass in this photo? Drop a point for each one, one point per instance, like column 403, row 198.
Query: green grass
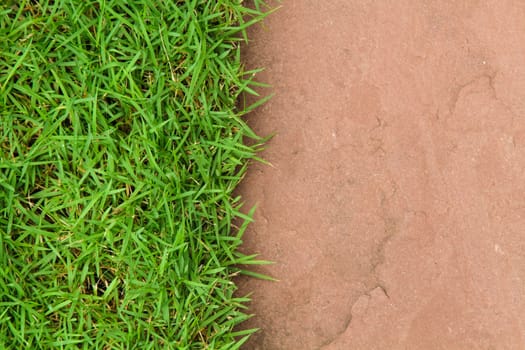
column 121, row 141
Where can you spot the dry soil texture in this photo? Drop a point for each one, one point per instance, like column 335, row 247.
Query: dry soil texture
column 395, row 206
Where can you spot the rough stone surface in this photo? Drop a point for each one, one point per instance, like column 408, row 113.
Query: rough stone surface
column 395, row 203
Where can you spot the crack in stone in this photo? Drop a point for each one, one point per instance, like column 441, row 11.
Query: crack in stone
column 491, row 77
column 459, row 89
column 485, row 78
column 377, row 259
column 348, row 321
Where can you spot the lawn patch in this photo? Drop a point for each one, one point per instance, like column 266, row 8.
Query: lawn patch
column 120, row 146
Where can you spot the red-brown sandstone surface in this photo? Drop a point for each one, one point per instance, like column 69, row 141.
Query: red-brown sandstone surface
column 395, row 204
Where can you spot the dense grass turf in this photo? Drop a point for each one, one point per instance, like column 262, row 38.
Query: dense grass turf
column 120, row 146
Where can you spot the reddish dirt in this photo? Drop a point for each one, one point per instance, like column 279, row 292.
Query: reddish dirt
column 395, row 206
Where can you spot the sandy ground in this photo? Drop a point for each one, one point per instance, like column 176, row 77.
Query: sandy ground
column 395, row 207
